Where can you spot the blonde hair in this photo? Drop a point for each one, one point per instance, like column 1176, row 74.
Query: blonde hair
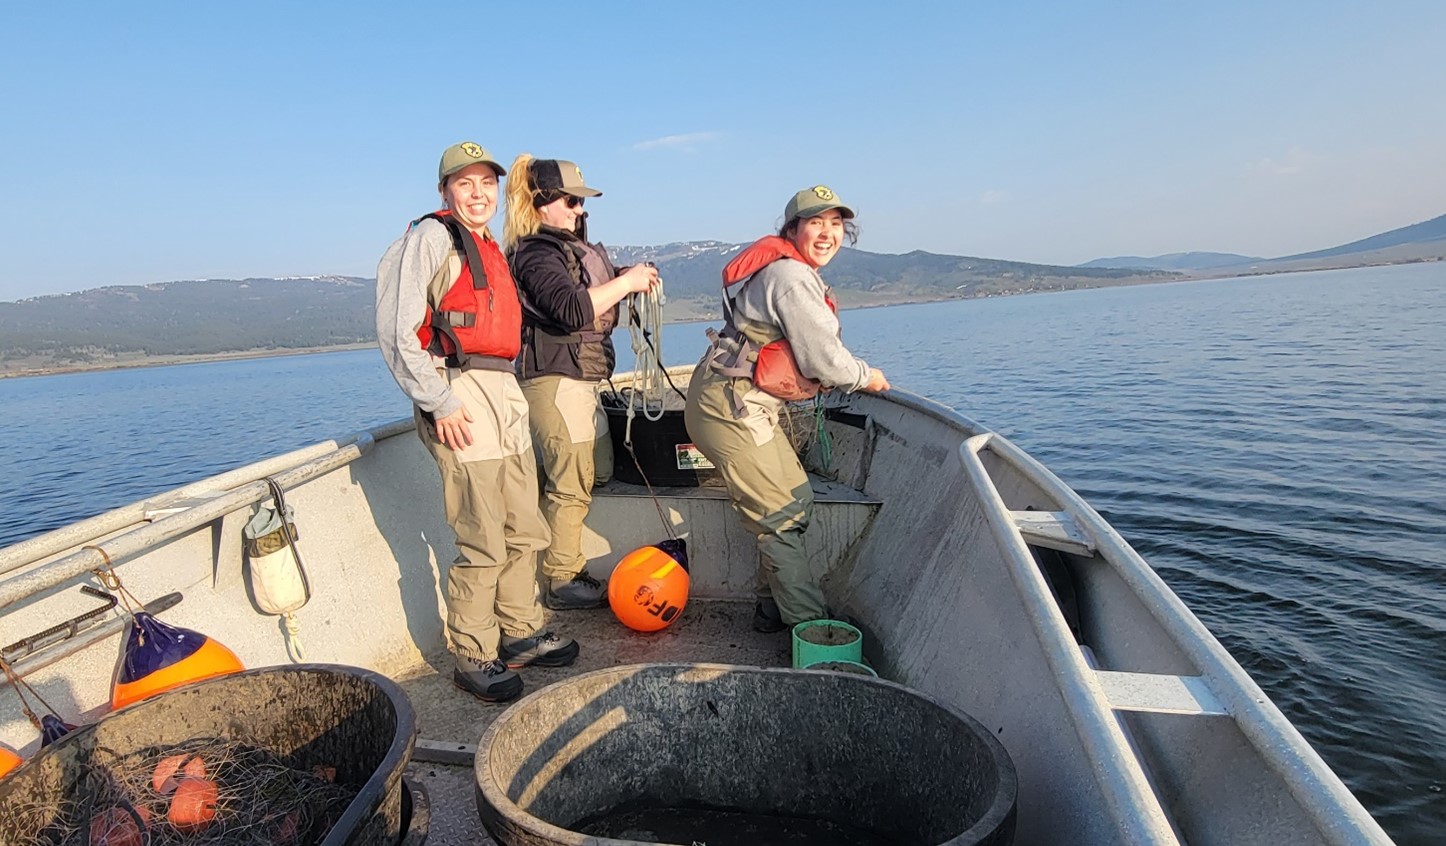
column 522, row 216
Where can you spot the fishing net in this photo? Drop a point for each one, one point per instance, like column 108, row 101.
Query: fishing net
column 205, row 791
column 803, row 424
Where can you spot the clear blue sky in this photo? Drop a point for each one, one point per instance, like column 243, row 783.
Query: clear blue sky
column 146, row 142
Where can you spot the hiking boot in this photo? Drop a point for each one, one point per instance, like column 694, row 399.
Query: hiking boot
column 490, row 681
column 767, row 618
column 581, row 591
column 543, row 649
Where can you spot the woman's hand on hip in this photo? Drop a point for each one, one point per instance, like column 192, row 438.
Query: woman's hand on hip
column 452, row 429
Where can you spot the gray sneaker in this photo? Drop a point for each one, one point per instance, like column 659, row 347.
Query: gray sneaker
column 490, row 681
column 581, row 591
column 543, row 649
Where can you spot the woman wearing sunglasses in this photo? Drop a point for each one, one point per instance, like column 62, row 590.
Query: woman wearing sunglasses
column 570, row 295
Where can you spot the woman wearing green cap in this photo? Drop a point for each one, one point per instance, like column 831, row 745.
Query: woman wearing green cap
column 780, row 342
column 449, row 325
column 570, row 295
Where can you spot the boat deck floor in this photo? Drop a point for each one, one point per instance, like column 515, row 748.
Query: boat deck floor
column 450, row 722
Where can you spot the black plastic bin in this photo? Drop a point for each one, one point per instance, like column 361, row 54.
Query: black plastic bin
column 355, row 720
column 663, row 449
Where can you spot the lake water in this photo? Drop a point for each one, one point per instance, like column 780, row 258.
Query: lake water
column 1274, row 446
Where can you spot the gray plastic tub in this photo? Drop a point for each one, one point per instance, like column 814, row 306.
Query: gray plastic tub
column 875, row 758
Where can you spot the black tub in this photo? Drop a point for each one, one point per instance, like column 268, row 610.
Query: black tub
column 823, row 751
column 311, row 714
column 663, row 448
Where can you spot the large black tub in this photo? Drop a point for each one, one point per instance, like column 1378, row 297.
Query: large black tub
column 310, row 715
column 662, row 449
column 685, row 753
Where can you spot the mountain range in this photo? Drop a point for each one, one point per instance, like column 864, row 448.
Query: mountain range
column 177, row 321
column 1424, row 241
column 1183, row 262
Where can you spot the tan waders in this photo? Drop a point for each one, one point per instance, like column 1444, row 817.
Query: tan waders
column 571, row 432
column 490, row 493
column 766, row 484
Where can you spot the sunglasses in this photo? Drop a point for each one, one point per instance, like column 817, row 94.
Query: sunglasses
column 574, row 202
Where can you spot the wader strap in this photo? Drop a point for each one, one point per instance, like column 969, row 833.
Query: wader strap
column 735, row 364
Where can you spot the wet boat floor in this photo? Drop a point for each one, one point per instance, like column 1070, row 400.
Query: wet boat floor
column 450, row 722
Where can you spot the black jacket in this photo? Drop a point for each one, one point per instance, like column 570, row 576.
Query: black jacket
column 560, row 332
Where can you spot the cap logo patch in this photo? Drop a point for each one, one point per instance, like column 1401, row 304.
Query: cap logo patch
column 472, row 150
column 577, row 170
column 822, row 192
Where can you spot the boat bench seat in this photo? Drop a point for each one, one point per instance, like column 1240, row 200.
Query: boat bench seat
column 724, row 555
column 824, row 491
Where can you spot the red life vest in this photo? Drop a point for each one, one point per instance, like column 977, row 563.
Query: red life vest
column 774, row 368
column 480, row 315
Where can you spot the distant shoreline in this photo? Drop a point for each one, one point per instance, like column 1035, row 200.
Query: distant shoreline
column 173, row 360
column 690, row 317
column 209, row 358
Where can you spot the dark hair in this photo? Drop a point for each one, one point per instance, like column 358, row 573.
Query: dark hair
column 851, row 230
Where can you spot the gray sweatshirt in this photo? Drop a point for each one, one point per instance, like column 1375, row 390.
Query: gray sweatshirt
column 786, row 298
column 408, row 267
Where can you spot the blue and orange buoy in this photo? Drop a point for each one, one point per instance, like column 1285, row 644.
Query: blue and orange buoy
column 160, row 657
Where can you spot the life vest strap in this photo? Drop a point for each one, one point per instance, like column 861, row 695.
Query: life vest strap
column 541, row 337
column 464, row 319
column 480, row 362
column 463, row 243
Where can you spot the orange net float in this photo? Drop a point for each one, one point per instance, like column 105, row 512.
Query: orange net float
column 160, row 657
column 8, row 760
column 649, row 588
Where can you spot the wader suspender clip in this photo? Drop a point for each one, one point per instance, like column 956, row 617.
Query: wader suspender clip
column 736, row 365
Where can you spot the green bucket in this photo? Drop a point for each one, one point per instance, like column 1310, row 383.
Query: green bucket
column 844, row 667
column 826, row 640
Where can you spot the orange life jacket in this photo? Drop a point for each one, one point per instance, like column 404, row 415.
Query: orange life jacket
column 479, row 319
column 774, row 370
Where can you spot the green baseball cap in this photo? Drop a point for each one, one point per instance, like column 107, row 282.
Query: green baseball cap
column 812, row 202
column 458, row 156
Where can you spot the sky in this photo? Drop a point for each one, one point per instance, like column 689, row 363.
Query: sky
column 149, row 142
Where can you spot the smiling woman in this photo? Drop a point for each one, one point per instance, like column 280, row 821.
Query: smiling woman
column 780, row 342
column 449, row 324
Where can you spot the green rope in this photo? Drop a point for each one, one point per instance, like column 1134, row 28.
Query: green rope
column 821, row 437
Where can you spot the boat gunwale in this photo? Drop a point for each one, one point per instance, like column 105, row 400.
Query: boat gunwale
column 1338, row 814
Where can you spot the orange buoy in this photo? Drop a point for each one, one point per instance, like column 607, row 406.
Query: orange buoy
column 169, row 771
column 8, row 760
column 649, row 588
column 121, row 826
column 158, row 657
column 193, row 805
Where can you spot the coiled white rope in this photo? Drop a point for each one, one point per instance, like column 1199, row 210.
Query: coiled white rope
column 649, row 375
column 645, row 328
